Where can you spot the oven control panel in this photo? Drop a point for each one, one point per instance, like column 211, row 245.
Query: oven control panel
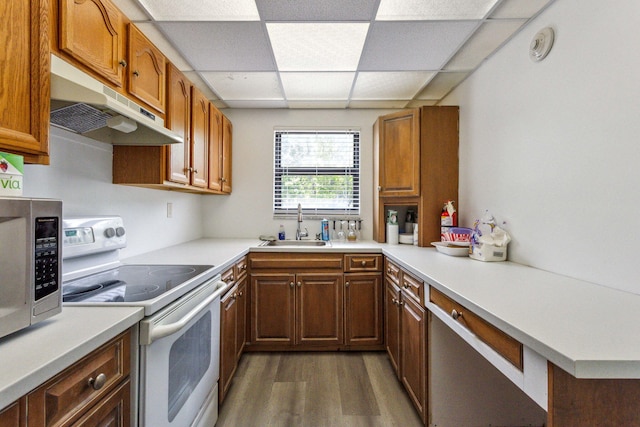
column 89, row 235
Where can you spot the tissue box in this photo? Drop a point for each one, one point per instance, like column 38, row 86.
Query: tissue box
column 485, row 252
column 11, row 169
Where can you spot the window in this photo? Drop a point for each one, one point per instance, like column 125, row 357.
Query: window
column 318, row 169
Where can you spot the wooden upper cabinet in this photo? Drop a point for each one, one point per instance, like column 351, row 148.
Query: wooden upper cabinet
column 227, row 142
column 92, row 32
column 146, row 70
column 215, row 148
column 199, row 138
column 399, row 154
column 25, row 79
column 179, row 121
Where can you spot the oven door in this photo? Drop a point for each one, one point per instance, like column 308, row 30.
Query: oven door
column 179, row 360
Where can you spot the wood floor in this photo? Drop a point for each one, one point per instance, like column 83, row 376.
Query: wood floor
column 316, row 389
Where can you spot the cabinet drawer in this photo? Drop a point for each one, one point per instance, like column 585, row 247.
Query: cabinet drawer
column 502, row 343
column 362, row 262
column 62, row 399
column 414, row 287
column 392, row 271
column 228, row 276
column 297, row 260
column 241, row 267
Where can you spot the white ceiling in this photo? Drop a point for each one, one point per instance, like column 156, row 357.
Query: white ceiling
column 329, row 53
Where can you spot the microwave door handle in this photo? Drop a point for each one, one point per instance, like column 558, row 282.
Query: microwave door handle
column 160, row 331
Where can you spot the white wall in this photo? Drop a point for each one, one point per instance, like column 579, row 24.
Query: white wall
column 552, row 148
column 80, row 175
column 248, row 211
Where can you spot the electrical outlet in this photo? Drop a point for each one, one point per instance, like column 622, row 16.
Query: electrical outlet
column 169, row 210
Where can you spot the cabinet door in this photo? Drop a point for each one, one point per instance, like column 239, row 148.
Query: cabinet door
column 199, row 138
column 272, row 309
column 392, row 324
column 92, row 33
column 227, row 142
column 215, row 148
column 399, row 154
column 363, row 308
column 178, row 120
column 413, row 351
column 241, row 328
column 228, row 334
column 319, row 317
column 147, row 65
column 25, row 78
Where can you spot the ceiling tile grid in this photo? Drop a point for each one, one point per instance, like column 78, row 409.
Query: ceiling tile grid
column 330, row 53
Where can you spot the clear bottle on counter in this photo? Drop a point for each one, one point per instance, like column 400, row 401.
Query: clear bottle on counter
column 281, row 234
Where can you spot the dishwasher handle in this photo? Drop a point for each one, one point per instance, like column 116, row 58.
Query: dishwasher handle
column 158, row 331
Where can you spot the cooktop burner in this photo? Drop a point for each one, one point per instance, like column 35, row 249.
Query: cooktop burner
column 129, row 283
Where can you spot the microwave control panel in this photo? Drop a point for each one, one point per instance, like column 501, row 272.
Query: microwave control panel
column 46, row 256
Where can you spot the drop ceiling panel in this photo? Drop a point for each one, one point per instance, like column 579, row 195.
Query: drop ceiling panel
column 201, row 10
column 405, row 10
column 317, row 46
column 317, row 86
column 318, row 105
column 519, row 8
column 256, row 104
column 402, row 85
column 441, row 85
column 485, row 41
column 398, row 46
column 153, row 33
column 244, row 86
column 221, row 46
column 314, row 10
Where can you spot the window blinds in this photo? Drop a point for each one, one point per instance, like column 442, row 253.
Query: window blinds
column 320, row 169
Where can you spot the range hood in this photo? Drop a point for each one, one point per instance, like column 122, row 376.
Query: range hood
column 84, row 105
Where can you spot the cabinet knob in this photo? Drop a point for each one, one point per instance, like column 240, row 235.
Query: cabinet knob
column 136, row 73
column 195, row 171
column 291, row 285
column 235, row 295
column 455, row 314
column 379, row 188
column 223, row 179
column 240, row 293
column 98, row 382
column 299, row 284
column 346, row 284
column 123, row 63
column 364, row 263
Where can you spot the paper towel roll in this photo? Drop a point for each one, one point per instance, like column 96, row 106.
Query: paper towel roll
column 392, row 234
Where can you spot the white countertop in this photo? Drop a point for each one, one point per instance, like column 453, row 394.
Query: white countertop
column 586, row 329
column 31, row 356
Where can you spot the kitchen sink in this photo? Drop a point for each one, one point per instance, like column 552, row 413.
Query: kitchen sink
column 303, row 243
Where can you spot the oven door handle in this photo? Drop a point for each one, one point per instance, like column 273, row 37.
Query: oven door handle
column 157, row 332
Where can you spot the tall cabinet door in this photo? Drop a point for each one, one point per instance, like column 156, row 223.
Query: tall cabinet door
column 179, row 121
column 227, row 142
column 24, row 78
column 363, row 308
column 92, row 32
column 147, row 78
column 215, row 148
column 199, row 138
column 392, row 324
column 413, row 351
column 399, row 154
column 319, row 316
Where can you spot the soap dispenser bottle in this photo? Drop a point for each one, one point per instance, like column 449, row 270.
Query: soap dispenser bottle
column 281, row 235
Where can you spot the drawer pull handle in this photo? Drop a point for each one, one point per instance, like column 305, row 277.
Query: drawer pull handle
column 455, row 314
column 364, row 263
column 98, row 382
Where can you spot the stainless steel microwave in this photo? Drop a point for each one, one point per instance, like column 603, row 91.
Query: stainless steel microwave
column 30, row 261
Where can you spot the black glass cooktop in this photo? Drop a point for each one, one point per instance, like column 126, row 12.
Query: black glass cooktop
column 129, row 283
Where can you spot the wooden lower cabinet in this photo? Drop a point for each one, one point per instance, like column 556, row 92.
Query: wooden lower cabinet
column 303, row 309
column 363, row 309
column 413, row 352
column 14, row 415
column 392, row 324
column 95, row 391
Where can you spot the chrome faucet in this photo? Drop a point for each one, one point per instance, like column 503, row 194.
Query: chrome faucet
column 301, row 234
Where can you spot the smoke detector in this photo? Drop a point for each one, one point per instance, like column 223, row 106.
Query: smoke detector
column 541, row 44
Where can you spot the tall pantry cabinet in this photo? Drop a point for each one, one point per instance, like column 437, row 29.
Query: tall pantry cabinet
column 415, row 167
